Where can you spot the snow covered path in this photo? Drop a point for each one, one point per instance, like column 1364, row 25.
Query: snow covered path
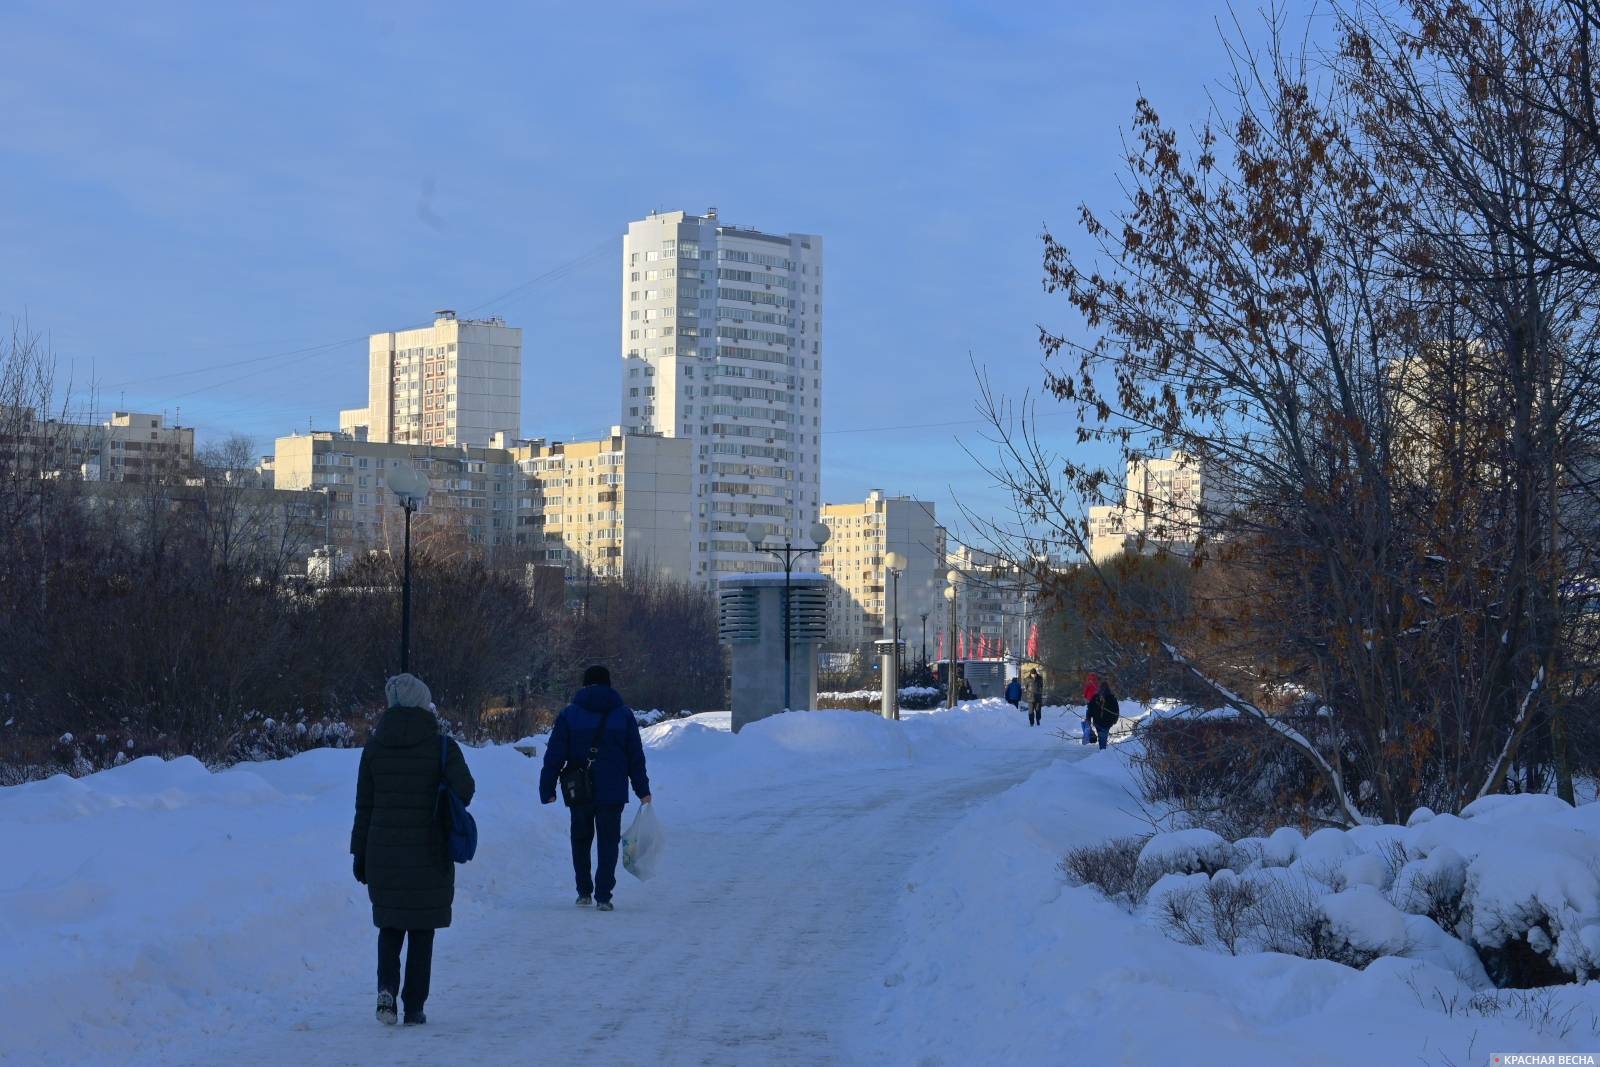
column 766, row 939
column 774, row 918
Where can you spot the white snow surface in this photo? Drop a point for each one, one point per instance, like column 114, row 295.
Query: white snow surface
column 839, row 890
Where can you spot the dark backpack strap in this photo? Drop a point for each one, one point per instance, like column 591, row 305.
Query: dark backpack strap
column 599, row 735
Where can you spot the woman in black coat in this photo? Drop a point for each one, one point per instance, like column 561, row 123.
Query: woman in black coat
column 398, row 840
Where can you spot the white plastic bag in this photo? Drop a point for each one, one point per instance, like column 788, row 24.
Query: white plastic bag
column 642, row 844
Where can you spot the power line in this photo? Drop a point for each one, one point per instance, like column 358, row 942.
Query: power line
column 555, row 273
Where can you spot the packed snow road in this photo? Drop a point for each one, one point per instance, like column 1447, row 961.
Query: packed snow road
column 765, row 940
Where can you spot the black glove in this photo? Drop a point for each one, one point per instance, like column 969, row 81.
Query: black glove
column 358, row 867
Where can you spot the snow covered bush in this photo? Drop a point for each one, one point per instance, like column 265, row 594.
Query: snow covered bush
column 1186, row 852
column 1507, row 894
column 1113, row 868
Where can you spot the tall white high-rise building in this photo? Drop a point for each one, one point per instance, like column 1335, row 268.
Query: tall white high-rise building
column 722, row 344
column 457, row 382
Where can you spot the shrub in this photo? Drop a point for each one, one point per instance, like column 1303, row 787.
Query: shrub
column 1228, row 775
column 1113, row 868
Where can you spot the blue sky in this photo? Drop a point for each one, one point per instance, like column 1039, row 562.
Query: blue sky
column 185, row 186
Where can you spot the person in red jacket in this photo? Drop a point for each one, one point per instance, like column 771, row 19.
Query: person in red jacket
column 1091, row 685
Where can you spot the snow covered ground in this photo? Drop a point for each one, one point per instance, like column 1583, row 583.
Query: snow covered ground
column 159, row 913
column 838, row 889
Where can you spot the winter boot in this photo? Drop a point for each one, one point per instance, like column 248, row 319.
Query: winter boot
column 415, row 1018
column 605, row 905
column 584, row 902
column 386, row 1012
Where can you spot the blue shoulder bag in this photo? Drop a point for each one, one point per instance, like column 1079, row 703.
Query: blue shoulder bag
column 461, row 829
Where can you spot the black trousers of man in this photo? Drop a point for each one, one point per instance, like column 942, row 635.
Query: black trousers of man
column 419, row 965
column 1035, row 714
column 603, row 821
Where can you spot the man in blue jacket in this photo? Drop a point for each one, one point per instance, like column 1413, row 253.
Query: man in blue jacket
column 597, row 718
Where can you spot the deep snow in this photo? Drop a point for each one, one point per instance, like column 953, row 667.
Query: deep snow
column 838, row 889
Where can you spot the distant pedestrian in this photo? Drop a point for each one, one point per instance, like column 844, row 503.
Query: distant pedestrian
column 1014, row 692
column 1103, row 711
column 1035, row 699
column 596, row 737
column 399, row 841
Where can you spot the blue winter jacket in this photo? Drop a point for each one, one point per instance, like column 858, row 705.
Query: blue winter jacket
column 621, row 756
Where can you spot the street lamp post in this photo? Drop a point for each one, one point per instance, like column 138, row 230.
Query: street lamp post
column 412, row 489
column 895, row 564
column 924, row 640
column 951, row 592
column 757, row 535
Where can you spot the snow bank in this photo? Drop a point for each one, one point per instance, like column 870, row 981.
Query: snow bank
column 1005, row 962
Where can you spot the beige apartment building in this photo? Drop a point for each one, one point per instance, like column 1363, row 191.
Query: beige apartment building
column 861, row 535
column 130, row 446
column 457, row 382
column 610, row 505
column 1164, row 506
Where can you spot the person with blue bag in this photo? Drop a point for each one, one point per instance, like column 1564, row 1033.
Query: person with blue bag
column 411, row 829
column 594, row 752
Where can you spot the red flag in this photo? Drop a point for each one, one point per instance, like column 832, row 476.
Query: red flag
column 1033, row 643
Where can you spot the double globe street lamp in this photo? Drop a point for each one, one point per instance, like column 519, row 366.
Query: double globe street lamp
column 952, row 593
column 895, row 563
column 758, row 535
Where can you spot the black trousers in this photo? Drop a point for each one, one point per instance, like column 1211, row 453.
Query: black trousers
column 419, row 965
column 603, row 821
column 1035, row 714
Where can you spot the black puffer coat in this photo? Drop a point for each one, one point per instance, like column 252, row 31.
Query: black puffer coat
column 398, row 834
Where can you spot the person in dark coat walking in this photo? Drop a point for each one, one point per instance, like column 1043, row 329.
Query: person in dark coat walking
column 620, row 760
column 1035, row 699
column 399, row 841
column 1014, row 692
column 1103, row 711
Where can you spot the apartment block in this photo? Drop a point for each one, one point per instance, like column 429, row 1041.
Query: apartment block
column 130, row 446
column 860, row 601
column 455, row 383
column 593, row 507
column 608, row 507
column 996, row 613
column 1165, row 503
column 721, row 340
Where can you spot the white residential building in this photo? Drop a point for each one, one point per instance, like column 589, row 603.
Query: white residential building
column 860, row 593
column 457, row 383
column 722, row 344
column 1164, row 505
